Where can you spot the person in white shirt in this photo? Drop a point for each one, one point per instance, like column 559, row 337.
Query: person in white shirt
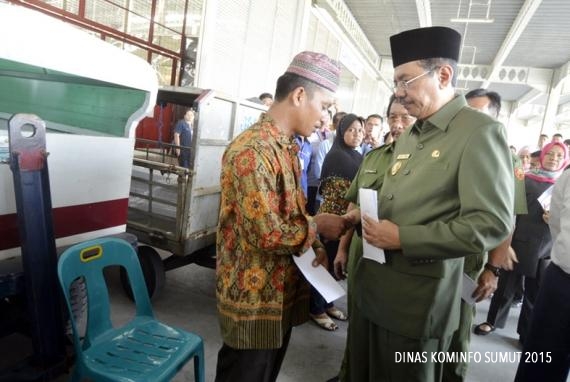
column 546, row 355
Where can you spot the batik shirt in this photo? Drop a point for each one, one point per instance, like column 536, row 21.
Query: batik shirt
column 263, row 224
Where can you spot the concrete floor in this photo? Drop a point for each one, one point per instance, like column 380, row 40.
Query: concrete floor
column 188, row 301
column 314, row 355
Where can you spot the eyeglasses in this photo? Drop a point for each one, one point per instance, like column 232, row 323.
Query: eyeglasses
column 405, row 85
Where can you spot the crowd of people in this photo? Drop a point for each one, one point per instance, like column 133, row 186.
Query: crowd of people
column 454, row 201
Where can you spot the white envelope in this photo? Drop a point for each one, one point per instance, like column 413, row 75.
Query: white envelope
column 369, row 206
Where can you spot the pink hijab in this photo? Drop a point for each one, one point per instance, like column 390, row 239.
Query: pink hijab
column 543, row 175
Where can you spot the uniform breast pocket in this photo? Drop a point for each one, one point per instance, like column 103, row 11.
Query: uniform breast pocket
column 371, row 180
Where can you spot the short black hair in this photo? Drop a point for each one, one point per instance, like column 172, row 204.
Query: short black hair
column 374, row 116
column 494, row 98
column 433, row 63
column 291, row 81
column 567, row 142
column 535, row 154
column 390, row 102
column 337, row 117
column 262, row 96
column 557, row 135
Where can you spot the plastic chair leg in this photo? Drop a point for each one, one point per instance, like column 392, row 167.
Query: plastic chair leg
column 199, row 369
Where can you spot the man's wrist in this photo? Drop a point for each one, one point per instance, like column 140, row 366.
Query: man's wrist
column 353, row 216
column 493, row 269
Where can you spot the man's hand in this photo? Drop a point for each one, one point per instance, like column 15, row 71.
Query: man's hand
column 503, row 256
column 381, row 234
column 511, row 259
column 339, row 264
column 486, row 285
column 331, row 226
column 321, row 259
column 352, row 214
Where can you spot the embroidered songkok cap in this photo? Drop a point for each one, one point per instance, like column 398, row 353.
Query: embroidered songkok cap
column 422, row 43
column 317, row 68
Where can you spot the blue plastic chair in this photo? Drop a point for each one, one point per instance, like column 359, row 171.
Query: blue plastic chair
column 142, row 350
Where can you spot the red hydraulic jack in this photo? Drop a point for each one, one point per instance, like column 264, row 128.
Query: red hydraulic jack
column 28, row 162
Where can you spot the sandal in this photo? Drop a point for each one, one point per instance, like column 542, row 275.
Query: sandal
column 479, row 329
column 336, row 313
column 324, row 322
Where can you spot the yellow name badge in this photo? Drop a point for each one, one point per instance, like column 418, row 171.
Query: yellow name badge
column 396, row 167
column 403, row 156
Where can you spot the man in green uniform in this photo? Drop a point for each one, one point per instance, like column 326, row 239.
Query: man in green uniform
column 370, row 175
column 447, row 194
column 503, row 256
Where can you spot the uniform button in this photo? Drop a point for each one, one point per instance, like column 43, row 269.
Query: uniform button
column 389, row 196
column 406, row 172
column 420, row 146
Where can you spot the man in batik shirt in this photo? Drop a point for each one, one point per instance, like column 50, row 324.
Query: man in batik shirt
column 261, row 294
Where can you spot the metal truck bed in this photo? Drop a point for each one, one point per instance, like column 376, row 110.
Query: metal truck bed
column 175, row 208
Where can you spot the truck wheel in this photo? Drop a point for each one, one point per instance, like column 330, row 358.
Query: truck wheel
column 153, row 272
column 78, row 292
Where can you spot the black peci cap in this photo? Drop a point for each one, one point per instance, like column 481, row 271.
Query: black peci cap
column 422, row 43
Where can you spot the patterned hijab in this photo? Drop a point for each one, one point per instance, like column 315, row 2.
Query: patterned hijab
column 342, row 160
column 546, row 176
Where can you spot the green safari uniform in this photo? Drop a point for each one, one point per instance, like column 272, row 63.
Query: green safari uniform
column 449, row 189
column 456, row 371
column 370, row 175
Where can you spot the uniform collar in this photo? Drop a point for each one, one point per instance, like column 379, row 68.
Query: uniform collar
column 441, row 118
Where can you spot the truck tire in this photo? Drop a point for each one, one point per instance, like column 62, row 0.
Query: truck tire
column 153, row 272
column 78, row 292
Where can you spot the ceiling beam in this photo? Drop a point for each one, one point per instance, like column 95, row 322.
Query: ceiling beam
column 424, row 12
column 523, row 18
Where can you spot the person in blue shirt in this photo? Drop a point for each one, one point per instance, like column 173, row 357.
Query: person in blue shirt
column 304, row 154
column 183, row 138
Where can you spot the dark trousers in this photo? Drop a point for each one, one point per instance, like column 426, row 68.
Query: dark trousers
column 520, row 291
column 312, row 202
column 549, row 332
column 250, row 365
column 531, row 286
column 529, row 298
column 184, row 158
column 503, row 298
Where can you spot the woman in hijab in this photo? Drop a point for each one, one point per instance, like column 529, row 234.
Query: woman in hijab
column 531, row 240
column 339, row 168
column 524, row 155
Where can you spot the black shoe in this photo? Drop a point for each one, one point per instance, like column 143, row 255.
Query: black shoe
column 479, row 329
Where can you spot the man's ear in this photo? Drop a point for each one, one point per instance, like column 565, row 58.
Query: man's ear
column 298, row 95
column 445, row 75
